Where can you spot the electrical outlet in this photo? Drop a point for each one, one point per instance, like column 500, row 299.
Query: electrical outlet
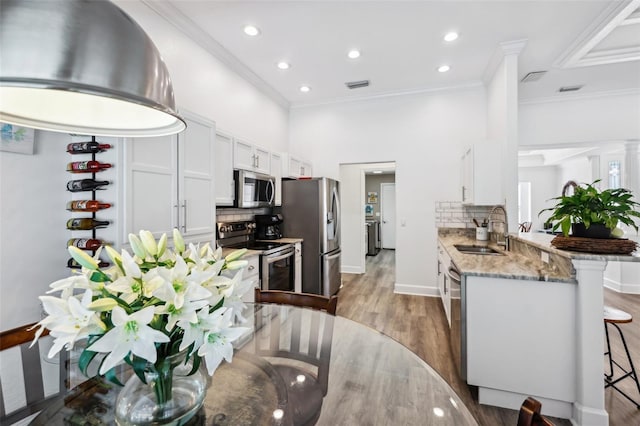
column 544, row 256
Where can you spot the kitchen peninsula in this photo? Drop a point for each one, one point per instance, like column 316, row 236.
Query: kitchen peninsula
column 530, row 327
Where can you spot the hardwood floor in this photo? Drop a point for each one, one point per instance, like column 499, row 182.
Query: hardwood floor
column 419, row 323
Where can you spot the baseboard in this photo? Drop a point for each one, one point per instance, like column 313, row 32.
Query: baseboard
column 513, row 400
column 416, row 290
column 622, row 287
column 347, row 269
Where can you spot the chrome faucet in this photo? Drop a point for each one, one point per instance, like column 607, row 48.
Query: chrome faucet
column 505, row 241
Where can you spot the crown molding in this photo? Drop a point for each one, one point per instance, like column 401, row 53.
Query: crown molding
column 416, row 91
column 580, row 53
column 580, row 97
column 184, row 24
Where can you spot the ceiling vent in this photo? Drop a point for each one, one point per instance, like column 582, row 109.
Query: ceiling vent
column 533, row 76
column 357, row 84
column 569, row 88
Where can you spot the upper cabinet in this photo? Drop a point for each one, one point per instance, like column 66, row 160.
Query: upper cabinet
column 294, row 167
column 247, row 156
column 170, row 182
column 225, row 188
column 481, row 180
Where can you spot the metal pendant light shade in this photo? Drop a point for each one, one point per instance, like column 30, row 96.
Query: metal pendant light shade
column 79, row 66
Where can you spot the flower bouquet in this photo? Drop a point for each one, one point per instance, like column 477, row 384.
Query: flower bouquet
column 148, row 308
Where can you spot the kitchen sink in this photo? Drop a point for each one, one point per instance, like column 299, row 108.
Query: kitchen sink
column 470, row 249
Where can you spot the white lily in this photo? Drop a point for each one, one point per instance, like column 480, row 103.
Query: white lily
column 178, row 242
column 218, row 341
column 233, row 296
column 137, row 247
column 187, row 312
column 179, row 285
column 149, row 242
column 130, row 334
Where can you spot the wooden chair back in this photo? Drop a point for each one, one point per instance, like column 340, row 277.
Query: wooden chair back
column 530, row 414
column 33, row 380
column 297, row 299
column 524, row 227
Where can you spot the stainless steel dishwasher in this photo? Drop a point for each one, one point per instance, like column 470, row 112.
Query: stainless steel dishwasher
column 457, row 333
column 373, row 237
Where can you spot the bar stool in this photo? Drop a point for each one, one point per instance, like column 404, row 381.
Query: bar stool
column 614, row 317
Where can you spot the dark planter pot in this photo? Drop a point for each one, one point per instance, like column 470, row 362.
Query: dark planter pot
column 596, row 230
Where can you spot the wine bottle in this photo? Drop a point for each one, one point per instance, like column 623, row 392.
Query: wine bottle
column 71, row 263
column 86, row 206
column 86, row 185
column 86, row 147
column 85, row 243
column 90, row 166
column 86, row 223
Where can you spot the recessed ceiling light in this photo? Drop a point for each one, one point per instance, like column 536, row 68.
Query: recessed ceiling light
column 305, row 89
column 284, row 65
column 353, row 54
column 444, row 68
column 377, row 172
column 251, row 30
column 451, row 36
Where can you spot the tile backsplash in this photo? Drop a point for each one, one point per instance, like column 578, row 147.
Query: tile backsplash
column 236, row 215
column 453, row 214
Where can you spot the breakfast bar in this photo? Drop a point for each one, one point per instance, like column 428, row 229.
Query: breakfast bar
column 532, row 324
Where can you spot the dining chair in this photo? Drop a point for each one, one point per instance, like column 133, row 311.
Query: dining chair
column 530, row 414
column 524, row 227
column 28, row 379
column 298, row 345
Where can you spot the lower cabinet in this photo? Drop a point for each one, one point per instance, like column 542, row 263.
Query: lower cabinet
column 251, row 273
column 444, row 284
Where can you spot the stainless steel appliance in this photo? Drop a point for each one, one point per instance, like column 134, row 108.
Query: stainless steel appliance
column 277, row 260
column 254, row 189
column 458, row 331
column 311, row 210
column 373, row 237
column 268, row 226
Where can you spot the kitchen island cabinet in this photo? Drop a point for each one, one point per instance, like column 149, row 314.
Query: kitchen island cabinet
column 534, row 328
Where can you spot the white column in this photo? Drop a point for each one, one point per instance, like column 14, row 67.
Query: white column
column 588, row 408
column 594, row 161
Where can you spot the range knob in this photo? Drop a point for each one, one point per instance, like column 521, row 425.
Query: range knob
column 223, row 228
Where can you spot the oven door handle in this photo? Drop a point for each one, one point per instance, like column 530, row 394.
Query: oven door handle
column 289, row 253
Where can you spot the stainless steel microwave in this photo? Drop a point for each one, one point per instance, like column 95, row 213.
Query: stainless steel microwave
column 254, row 189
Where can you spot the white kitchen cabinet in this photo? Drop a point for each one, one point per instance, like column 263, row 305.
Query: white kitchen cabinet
column 481, row 179
column 444, row 284
column 294, row 167
column 276, row 172
column 251, row 273
column 170, row 182
column 297, row 283
column 224, row 184
column 247, row 156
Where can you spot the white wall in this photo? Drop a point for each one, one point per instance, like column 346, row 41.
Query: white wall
column 424, row 134
column 352, row 219
column 206, row 86
column 580, row 119
column 33, row 235
column 576, row 169
column 544, row 185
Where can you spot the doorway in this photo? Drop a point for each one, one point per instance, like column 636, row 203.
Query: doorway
column 388, row 215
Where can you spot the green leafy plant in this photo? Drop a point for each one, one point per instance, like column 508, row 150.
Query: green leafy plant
column 589, row 206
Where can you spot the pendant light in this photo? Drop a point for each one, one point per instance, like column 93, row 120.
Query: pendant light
column 82, row 66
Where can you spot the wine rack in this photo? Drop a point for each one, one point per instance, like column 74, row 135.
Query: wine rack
column 84, row 185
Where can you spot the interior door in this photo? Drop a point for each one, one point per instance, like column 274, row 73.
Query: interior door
column 388, row 215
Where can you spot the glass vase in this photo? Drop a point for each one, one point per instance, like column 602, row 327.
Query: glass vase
column 170, row 397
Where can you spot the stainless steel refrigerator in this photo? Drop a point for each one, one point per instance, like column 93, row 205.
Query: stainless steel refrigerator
column 311, row 210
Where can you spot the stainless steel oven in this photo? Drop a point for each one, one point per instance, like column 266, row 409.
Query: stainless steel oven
column 277, row 269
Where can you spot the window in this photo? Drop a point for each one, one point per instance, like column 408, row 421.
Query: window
column 614, row 174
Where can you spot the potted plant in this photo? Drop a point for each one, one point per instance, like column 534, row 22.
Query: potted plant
column 591, row 213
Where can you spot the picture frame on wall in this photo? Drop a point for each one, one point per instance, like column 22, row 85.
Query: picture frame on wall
column 16, row 139
column 368, row 210
column 372, row 197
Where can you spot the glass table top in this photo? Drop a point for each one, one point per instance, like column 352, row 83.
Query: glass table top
column 299, row 366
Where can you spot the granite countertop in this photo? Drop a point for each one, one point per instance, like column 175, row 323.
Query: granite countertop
column 511, row 265
column 543, row 241
column 287, row 240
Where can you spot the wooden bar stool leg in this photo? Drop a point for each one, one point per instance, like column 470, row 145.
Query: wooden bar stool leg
column 630, row 373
